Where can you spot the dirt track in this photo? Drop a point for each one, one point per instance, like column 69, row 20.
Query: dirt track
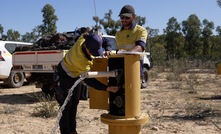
column 183, row 107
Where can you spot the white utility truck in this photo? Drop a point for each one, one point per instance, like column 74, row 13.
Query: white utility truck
column 40, row 64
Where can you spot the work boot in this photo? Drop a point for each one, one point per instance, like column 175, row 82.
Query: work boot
column 143, row 83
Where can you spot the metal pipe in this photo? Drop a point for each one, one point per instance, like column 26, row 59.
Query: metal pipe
column 96, row 74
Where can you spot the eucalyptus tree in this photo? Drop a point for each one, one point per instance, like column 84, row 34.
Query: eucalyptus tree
column 192, row 30
column 207, row 32
column 174, row 39
column 216, row 48
column 158, row 52
column 155, row 45
column 218, row 30
column 13, row 35
column 110, row 26
column 151, row 39
column 141, row 20
column 219, row 3
column 49, row 20
column 1, row 30
column 3, row 36
column 31, row 36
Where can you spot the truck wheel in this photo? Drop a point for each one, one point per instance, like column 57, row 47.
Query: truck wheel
column 144, row 80
column 16, row 79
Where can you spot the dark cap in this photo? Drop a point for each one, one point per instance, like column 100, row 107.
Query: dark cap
column 127, row 10
column 94, row 44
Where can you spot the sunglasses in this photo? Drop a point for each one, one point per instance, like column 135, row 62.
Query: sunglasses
column 125, row 17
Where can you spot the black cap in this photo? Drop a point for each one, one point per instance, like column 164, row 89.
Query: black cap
column 94, row 44
column 127, row 10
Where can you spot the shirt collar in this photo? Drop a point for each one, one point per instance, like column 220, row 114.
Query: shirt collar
column 131, row 27
column 85, row 53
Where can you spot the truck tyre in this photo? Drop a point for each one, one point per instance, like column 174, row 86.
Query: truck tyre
column 16, row 79
column 144, row 80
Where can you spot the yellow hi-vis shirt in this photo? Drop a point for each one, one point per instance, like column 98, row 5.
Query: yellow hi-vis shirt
column 75, row 62
column 126, row 39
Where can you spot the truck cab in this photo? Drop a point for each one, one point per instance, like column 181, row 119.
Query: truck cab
column 12, row 79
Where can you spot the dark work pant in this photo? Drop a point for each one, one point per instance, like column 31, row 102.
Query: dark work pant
column 68, row 120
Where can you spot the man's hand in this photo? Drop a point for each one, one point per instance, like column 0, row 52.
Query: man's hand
column 137, row 48
column 112, row 89
column 109, row 53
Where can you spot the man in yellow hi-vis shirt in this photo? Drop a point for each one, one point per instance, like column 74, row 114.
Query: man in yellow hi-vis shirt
column 77, row 61
column 131, row 37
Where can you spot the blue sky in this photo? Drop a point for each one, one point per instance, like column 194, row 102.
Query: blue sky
column 24, row 15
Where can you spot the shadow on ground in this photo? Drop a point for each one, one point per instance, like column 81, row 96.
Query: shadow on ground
column 216, row 97
column 25, row 98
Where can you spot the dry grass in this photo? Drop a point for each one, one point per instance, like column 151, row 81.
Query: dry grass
column 46, row 107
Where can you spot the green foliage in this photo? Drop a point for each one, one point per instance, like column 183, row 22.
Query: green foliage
column 31, row 36
column 150, row 40
column 152, row 32
column 110, row 26
column 49, row 20
column 191, row 30
column 218, row 30
column 174, row 40
column 141, row 20
column 158, row 53
column 206, row 35
column 219, row 3
column 13, row 35
column 216, row 47
column 172, row 26
column 1, row 30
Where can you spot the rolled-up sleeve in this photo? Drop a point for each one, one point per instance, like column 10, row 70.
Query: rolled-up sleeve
column 142, row 38
column 106, row 44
